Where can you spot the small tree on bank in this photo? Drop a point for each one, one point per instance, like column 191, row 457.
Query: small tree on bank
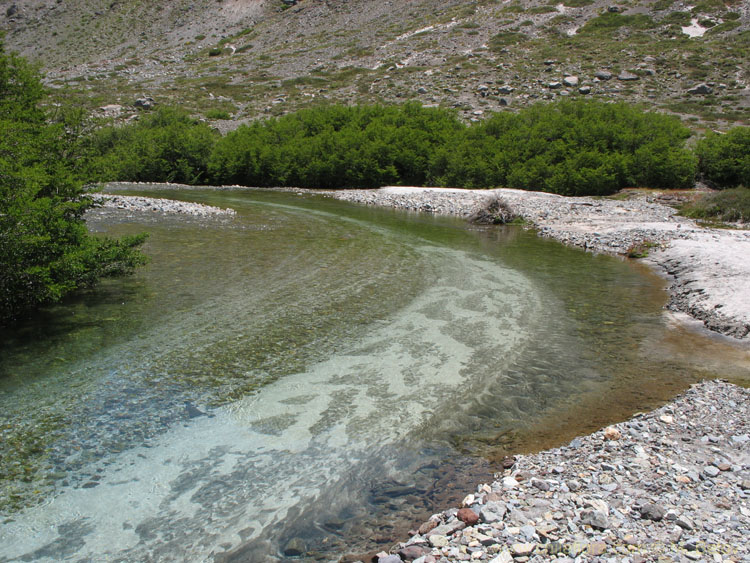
column 45, row 249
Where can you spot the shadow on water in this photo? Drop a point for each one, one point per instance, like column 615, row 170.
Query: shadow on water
column 360, row 368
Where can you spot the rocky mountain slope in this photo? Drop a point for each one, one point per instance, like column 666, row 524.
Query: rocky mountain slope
column 244, row 58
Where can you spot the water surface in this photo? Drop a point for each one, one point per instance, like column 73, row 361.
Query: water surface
column 313, row 374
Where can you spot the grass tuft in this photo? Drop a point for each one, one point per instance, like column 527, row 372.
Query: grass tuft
column 731, row 206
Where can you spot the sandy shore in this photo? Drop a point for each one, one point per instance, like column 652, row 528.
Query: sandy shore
column 709, row 269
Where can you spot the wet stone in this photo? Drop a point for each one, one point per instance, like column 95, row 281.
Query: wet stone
column 295, row 547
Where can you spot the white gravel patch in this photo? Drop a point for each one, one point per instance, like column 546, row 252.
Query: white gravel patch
column 159, row 205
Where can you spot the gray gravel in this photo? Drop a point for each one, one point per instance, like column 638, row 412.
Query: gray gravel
column 671, row 485
column 159, row 205
column 709, row 268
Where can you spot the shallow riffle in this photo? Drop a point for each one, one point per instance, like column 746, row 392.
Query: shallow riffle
column 307, row 372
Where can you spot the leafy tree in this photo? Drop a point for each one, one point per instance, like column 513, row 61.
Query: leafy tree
column 45, row 248
column 724, row 160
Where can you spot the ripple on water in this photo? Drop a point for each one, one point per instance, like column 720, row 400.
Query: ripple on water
column 305, row 379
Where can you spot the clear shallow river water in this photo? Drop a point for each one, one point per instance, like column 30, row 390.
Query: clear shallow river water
column 310, row 373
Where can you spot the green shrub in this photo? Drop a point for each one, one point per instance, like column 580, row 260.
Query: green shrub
column 216, row 113
column 541, row 10
column 335, row 146
column 506, row 38
column 571, row 148
column 728, row 205
column 662, row 4
column 723, row 27
column 724, row 159
column 46, row 251
column 164, row 146
column 610, row 21
column 679, row 18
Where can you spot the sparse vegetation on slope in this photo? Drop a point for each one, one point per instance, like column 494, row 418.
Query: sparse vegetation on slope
column 731, row 205
column 471, row 55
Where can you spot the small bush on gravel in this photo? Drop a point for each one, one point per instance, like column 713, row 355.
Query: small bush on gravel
column 732, row 205
column 495, row 212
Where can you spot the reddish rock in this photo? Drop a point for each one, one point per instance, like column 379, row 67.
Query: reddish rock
column 612, row 433
column 468, row 516
column 411, row 552
column 427, row 527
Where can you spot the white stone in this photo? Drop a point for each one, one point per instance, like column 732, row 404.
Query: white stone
column 504, row 557
column 509, row 483
column 438, row 541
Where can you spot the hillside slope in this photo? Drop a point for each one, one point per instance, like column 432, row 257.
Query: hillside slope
column 255, row 57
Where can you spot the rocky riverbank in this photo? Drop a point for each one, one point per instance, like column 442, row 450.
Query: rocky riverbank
column 709, row 268
column 671, row 485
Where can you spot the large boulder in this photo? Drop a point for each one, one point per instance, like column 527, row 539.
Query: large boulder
column 627, row 76
column 146, row 102
column 701, row 90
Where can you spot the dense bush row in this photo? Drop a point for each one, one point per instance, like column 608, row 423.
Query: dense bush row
column 336, row 146
column 569, row 147
column 166, row 146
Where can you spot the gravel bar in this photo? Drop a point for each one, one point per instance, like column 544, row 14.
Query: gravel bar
column 671, row 485
column 159, row 205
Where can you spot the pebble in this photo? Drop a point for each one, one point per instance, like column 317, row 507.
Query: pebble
column 711, row 471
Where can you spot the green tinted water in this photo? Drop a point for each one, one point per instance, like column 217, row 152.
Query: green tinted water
column 303, row 369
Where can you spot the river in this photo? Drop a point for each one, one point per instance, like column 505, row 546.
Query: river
column 311, row 376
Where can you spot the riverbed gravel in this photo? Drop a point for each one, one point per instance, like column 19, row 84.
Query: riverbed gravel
column 140, row 204
column 670, row 485
column 709, row 269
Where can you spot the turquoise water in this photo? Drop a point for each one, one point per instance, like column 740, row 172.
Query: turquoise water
column 310, row 369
